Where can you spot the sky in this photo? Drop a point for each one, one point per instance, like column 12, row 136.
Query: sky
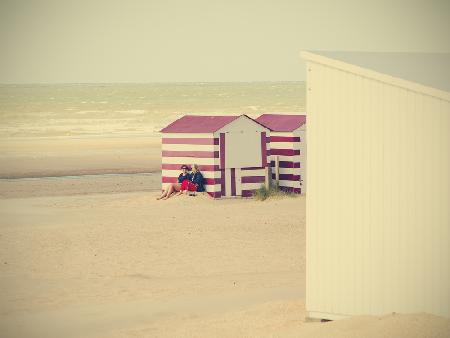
column 63, row 41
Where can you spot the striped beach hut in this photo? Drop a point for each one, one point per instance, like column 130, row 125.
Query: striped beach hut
column 287, row 149
column 231, row 152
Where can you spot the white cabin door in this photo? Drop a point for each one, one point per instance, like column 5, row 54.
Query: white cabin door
column 232, row 185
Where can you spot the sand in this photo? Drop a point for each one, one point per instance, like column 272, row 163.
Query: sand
column 63, row 156
column 94, row 264
column 98, row 256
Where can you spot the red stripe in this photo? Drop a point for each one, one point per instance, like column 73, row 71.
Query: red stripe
column 166, row 179
column 171, row 166
column 290, row 189
column 187, row 140
column 215, row 194
column 289, row 177
column 222, row 150
column 284, row 139
column 285, row 152
column 252, row 168
column 253, row 179
column 202, row 167
column 198, row 154
column 233, row 182
column 263, row 150
column 222, row 182
column 212, row 180
column 247, row 193
column 286, row 164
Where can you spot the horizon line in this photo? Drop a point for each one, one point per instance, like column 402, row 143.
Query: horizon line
column 155, row 82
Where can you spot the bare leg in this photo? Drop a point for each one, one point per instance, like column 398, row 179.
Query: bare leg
column 170, row 195
column 174, row 187
column 164, row 194
column 177, row 189
column 169, row 192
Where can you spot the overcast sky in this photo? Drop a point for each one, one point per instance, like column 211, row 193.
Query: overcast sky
column 207, row 40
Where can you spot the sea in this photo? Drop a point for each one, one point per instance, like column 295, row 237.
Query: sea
column 85, row 110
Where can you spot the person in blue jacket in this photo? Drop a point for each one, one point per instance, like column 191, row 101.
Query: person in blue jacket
column 197, row 179
column 173, row 188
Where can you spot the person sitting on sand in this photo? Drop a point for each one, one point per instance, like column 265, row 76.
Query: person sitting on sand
column 195, row 182
column 173, row 188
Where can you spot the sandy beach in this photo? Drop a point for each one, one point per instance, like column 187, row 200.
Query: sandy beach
column 98, row 256
column 64, row 156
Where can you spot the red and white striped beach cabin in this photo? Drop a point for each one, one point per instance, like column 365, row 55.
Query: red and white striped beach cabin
column 231, row 151
column 287, row 149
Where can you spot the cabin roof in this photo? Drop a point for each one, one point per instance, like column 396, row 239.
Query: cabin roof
column 282, row 122
column 198, row 124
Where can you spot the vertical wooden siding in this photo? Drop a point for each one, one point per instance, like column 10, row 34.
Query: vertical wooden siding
column 378, row 201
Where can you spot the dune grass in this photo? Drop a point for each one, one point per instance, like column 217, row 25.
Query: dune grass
column 273, row 191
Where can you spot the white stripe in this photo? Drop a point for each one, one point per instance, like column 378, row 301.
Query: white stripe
column 212, row 187
column 176, row 173
column 190, row 147
column 227, row 182
column 290, row 184
column 251, row 186
column 294, row 171
column 281, row 133
column 256, row 172
column 187, row 135
column 282, row 145
column 189, row 160
column 238, row 182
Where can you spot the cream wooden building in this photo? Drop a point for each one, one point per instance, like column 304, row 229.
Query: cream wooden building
column 378, row 201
